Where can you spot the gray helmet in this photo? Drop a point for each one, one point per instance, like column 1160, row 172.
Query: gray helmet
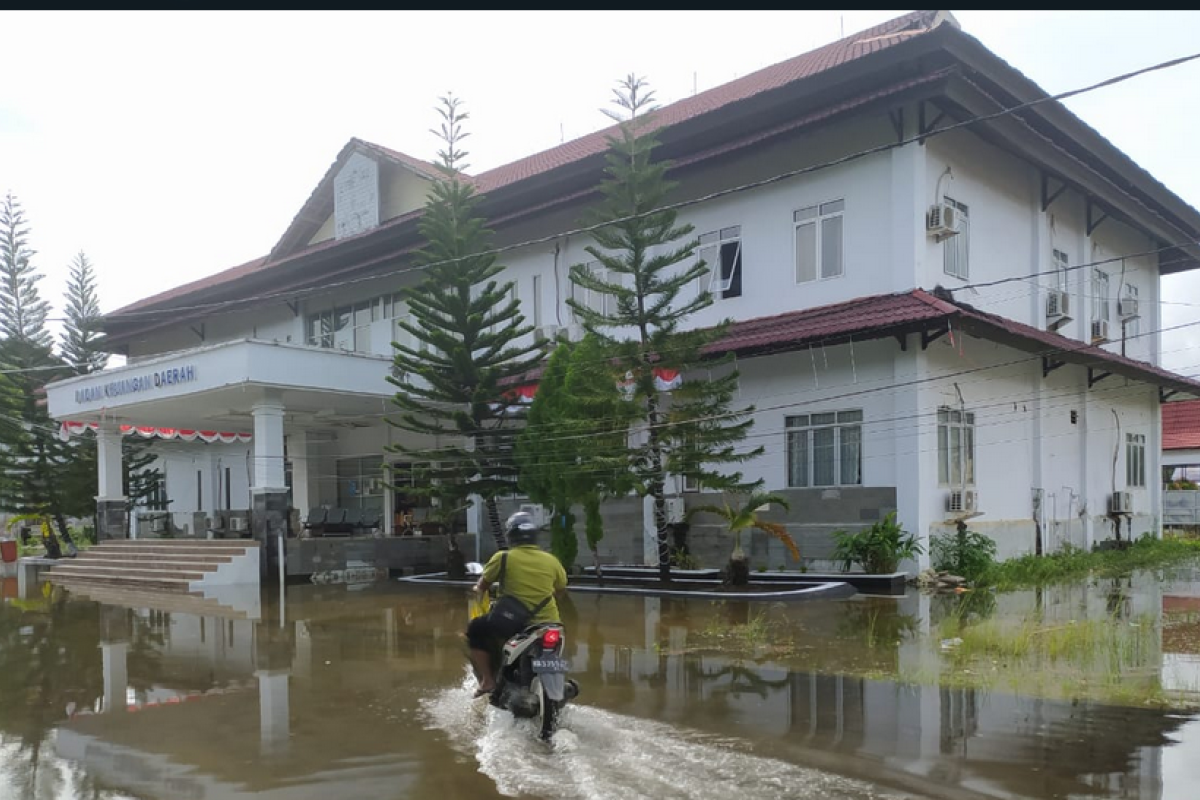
column 520, row 528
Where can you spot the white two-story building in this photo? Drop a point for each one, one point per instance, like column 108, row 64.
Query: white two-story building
column 942, row 306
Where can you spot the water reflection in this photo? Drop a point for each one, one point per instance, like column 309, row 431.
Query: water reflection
column 362, row 692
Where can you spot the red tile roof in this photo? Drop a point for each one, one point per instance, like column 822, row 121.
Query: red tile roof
column 319, row 204
column 1181, row 425
column 880, row 316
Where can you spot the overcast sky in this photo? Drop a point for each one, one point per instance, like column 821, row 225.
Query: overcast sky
column 171, row 145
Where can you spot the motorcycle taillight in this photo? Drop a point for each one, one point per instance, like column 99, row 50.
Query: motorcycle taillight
column 551, row 638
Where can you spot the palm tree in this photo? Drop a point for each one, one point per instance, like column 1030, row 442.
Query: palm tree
column 744, row 517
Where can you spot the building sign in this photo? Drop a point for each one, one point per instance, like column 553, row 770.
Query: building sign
column 136, row 384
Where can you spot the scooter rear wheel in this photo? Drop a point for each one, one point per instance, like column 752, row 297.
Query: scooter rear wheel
column 547, row 714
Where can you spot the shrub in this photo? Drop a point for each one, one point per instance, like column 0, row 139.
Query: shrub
column 965, row 552
column 879, row 548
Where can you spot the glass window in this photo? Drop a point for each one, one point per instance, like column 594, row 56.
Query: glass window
column 824, row 449
column 722, row 253
column 956, row 447
column 1062, row 270
column 1135, row 460
column 955, row 249
column 819, row 245
column 1100, row 301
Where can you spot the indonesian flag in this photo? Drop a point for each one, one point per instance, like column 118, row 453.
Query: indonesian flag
column 67, row 429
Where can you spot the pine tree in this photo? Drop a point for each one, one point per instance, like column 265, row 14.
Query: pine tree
column 464, row 326
column 38, row 458
column 645, row 262
column 81, row 330
column 22, row 312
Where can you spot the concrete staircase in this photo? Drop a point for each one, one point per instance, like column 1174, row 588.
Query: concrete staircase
column 172, row 565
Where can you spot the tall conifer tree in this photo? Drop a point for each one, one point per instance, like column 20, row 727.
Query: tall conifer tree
column 464, row 328
column 645, row 268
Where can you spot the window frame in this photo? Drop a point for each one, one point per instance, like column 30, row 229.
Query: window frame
column 817, row 220
column 1061, row 260
column 1101, row 305
column 800, row 432
column 1135, row 460
column 726, row 262
column 957, row 248
column 963, row 474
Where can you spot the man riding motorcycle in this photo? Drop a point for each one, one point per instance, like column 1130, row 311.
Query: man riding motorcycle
column 531, row 575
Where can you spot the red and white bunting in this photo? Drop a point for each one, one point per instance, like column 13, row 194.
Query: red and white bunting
column 68, row 429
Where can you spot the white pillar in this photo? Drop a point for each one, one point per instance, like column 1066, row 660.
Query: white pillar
column 268, row 446
column 115, row 674
column 301, row 451
column 108, row 463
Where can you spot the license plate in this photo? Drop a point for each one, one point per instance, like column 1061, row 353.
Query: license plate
column 550, row 665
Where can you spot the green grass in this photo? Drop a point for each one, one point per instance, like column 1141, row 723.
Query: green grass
column 1072, row 564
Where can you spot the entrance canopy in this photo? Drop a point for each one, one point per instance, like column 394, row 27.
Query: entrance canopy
column 67, row 429
column 209, row 393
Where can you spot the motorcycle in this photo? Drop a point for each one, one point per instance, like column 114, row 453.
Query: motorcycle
column 531, row 679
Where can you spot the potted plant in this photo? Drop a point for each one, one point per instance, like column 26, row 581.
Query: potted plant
column 879, row 548
column 744, row 517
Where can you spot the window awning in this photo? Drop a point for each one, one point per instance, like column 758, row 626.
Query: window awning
column 68, row 429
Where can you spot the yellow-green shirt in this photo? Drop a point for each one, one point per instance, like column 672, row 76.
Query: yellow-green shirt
column 531, row 575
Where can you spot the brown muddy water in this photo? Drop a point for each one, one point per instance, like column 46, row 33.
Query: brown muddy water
column 362, row 692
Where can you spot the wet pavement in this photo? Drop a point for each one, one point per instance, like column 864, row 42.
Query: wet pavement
column 362, row 692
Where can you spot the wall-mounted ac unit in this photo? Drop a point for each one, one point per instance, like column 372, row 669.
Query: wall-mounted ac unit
column 941, row 221
column 238, row 523
column 158, row 524
column 961, row 501
column 1120, row 503
column 1058, row 307
column 537, row 512
column 1127, row 308
column 545, row 333
column 675, row 509
column 1099, row 330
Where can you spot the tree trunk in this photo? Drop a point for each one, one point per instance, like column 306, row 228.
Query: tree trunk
column 657, row 490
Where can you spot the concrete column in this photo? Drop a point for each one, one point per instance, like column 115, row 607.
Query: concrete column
column 111, row 504
column 303, row 450
column 268, row 446
column 116, row 675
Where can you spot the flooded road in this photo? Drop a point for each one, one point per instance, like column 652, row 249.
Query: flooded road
column 362, row 692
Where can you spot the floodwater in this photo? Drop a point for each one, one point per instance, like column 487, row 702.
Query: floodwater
column 362, row 692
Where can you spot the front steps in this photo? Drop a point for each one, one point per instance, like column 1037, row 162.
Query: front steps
column 172, row 565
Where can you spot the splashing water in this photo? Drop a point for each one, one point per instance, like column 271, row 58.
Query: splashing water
column 597, row 755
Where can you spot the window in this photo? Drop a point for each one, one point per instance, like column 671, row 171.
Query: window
column 601, row 303
column 1101, row 307
column 722, row 253
column 1132, row 327
column 955, row 249
column 1135, row 460
column 956, row 447
column 824, row 449
column 819, row 251
column 1061, row 270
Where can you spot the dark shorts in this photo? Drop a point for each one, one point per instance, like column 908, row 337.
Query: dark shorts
column 480, row 635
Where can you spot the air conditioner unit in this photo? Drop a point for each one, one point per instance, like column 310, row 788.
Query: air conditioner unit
column 675, row 510
column 1058, row 306
column 537, row 512
column 941, row 220
column 1127, row 308
column 961, row 501
column 1120, row 503
column 238, row 523
column 1099, row 330
column 158, row 524
column 545, row 333
column 575, row 332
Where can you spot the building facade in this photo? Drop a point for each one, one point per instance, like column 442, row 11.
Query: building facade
column 942, row 306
